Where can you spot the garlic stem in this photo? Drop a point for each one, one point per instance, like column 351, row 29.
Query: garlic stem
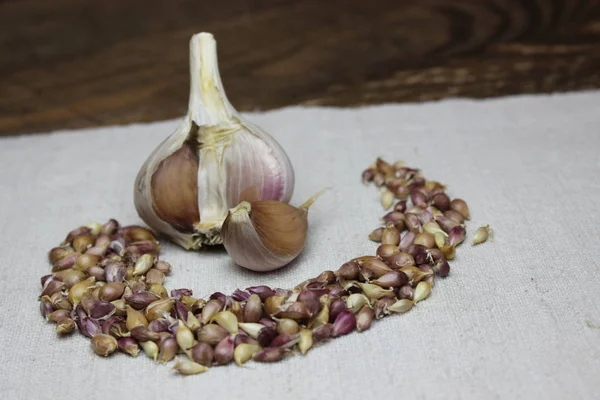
column 208, row 104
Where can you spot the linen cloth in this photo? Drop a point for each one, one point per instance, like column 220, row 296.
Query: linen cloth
column 514, row 320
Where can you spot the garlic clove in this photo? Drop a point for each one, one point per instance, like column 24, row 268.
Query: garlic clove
column 266, row 235
column 177, row 206
column 213, row 160
column 481, row 235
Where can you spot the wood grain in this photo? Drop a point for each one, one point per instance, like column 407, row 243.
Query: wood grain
column 71, row 63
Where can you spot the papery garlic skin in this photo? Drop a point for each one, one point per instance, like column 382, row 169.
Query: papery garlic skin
column 229, row 160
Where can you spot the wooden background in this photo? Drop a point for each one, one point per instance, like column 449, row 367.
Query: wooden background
column 76, row 63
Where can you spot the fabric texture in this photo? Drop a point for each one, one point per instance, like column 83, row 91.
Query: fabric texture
column 514, row 320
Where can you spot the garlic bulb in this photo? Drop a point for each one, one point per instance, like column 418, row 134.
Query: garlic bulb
column 266, row 235
column 213, row 161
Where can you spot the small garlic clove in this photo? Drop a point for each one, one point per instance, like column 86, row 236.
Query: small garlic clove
column 387, row 250
column 422, row 290
column 368, row 175
column 251, row 328
column 227, row 320
column 321, row 318
column 376, row 268
column 375, row 236
column 104, row 345
column 390, row 235
column 65, row 326
column 150, row 349
column 344, row 324
column 454, row 216
column 457, row 235
column 407, row 240
column 306, row 340
column 461, row 207
column 391, row 280
column 425, row 239
column 374, row 291
column 187, row 367
column 270, row 354
column 252, row 309
column 401, row 306
column 380, row 309
column 337, row 307
column 322, row 333
column 481, row 235
column 261, row 291
column 135, row 318
column 387, row 199
column 224, row 351
column 356, row 301
column 89, row 327
column 364, row 318
column 211, row 334
column 442, row 268
column 143, row 264
column 57, row 315
column 415, row 274
column 158, row 308
column 266, row 336
column 143, row 334
column 244, row 352
column 449, row 252
column 203, row 354
column 349, row 270
column 210, row 309
column 440, row 240
column 433, row 228
column 185, row 337
column 287, row 326
column 128, row 346
column 285, row 341
column 400, row 260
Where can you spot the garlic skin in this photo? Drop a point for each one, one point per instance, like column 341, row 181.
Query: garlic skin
column 214, row 160
column 265, row 235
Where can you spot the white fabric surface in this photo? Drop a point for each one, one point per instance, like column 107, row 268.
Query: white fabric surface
column 509, row 322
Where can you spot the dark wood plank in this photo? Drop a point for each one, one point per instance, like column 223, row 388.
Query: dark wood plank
column 72, row 63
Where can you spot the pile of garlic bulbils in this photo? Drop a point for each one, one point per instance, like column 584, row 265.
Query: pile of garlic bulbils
column 220, row 179
column 107, row 282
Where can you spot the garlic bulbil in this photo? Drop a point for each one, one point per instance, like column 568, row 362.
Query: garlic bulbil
column 213, row 161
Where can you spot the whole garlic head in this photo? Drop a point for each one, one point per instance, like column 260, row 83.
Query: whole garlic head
column 214, row 160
